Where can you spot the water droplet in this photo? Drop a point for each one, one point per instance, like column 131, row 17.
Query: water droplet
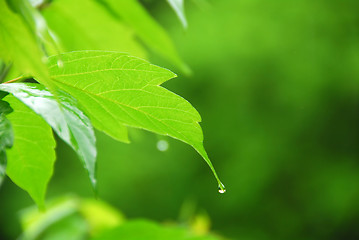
column 60, row 63
column 162, row 145
column 221, row 188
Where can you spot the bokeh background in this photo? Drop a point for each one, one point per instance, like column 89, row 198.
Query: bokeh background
column 277, row 86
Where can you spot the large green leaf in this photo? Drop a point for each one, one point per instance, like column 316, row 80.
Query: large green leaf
column 150, row 32
column 178, row 7
column 31, row 159
column 18, row 45
column 63, row 116
column 90, row 27
column 115, row 88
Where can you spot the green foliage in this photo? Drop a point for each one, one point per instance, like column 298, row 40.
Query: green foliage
column 119, row 89
column 72, row 66
column 31, row 159
column 60, row 213
column 276, row 83
column 99, row 215
column 23, row 52
column 90, row 24
column 6, row 135
column 146, row 28
column 63, row 115
column 74, row 218
column 35, row 23
column 114, row 89
column 143, row 229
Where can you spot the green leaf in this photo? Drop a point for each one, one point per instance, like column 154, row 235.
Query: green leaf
column 6, row 135
column 72, row 227
column 91, row 27
column 115, row 88
column 177, row 6
column 3, row 163
column 5, row 107
column 31, row 159
column 37, row 224
column 63, row 116
column 96, row 215
column 36, row 24
column 18, row 45
column 150, row 32
column 144, row 229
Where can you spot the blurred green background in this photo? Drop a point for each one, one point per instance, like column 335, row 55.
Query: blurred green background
column 277, row 86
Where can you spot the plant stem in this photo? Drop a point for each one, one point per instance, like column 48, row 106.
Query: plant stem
column 18, row 79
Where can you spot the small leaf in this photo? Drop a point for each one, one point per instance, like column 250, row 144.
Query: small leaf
column 150, row 32
column 115, row 88
column 31, row 159
column 63, row 116
column 177, row 6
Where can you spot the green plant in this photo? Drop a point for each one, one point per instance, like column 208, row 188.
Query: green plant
column 66, row 73
column 75, row 218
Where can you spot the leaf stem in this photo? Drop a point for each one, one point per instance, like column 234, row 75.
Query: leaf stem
column 18, row 79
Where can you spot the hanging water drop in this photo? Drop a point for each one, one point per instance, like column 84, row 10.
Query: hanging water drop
column 162, row 145
column 60, row 63
column 221, row 188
